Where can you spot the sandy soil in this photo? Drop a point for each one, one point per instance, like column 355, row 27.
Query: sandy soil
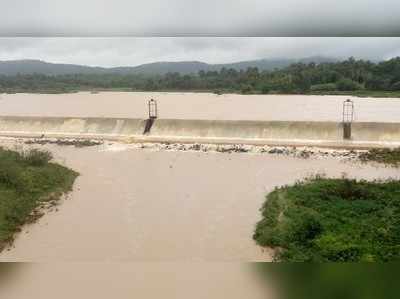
column 199, row 106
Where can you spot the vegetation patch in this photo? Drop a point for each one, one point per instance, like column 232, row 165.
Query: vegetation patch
column 349, row 77
column 28, row 181
column 382, row 155
column 74, row 142
column 332, row 220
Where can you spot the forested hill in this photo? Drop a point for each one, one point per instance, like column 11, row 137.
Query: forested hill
column 358, row 77
column 29, row 67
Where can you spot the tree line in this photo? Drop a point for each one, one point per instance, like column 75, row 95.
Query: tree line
column 350, row 75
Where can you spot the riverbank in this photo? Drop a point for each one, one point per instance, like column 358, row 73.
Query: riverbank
column 29, row 184
column 332, row 220
column 385, row 156
column 197, row 189
column 357, row 93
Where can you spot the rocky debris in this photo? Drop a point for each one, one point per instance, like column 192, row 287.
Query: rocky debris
column 303, row 152
column 48, row 204
column 58, row 141
column 292, row 151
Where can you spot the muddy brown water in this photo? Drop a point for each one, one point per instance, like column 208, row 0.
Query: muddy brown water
column 134, row 280
column 199, row 106
column 146, row 223
column 143, row 205
column 171, row 224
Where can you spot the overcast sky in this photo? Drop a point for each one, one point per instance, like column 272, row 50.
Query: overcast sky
column 110, row 52
column 48, row 19
column 199, row 17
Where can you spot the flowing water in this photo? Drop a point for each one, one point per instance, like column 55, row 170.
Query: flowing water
column 157, row 223
column 146, row 223
column 142, row 205
column 199, row 106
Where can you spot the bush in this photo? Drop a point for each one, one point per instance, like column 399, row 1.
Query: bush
column 346, row 84
column 246, row 89
column 218, row 92
column 265, row 89
column 332, row 220
column 9, row 173
column 26, row 180
column 324, row 87
column 395, row 86
column 305, row 228
column 382, row 155
column 37, row 158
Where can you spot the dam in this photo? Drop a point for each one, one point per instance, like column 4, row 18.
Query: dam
column 201, row 118
column 148, row 209
column 321, row 133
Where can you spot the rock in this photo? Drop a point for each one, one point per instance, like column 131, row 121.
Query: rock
column 196, row 147
column 272, row 151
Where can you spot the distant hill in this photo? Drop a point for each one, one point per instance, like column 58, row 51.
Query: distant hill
column 25, row 67
column 271, row 64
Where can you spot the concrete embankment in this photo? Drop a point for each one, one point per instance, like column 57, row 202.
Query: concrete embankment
column 103, row 128
column 204, row 131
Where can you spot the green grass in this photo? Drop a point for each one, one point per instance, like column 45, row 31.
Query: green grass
column 332, row 220
column 361, row 93
column 385, row 156
column 27, row 180
column 357, row 93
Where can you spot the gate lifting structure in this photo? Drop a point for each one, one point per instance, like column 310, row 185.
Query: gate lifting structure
column 348, row 117
column 153, row 114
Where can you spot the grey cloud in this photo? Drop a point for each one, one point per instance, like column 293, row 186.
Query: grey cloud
column 194, row 17
column 134, row 51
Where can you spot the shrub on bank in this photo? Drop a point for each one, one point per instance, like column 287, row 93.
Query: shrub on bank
column 382, row 155
column 35, row 157
column 323, row 87
column 27, row 180
column 346, row 84
column 332, row 220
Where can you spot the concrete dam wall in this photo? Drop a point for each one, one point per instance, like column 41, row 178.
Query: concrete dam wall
column 70, row 127
column 206, row 131
column 246, row 130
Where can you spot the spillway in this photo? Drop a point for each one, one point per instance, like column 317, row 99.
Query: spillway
column 323, row 133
